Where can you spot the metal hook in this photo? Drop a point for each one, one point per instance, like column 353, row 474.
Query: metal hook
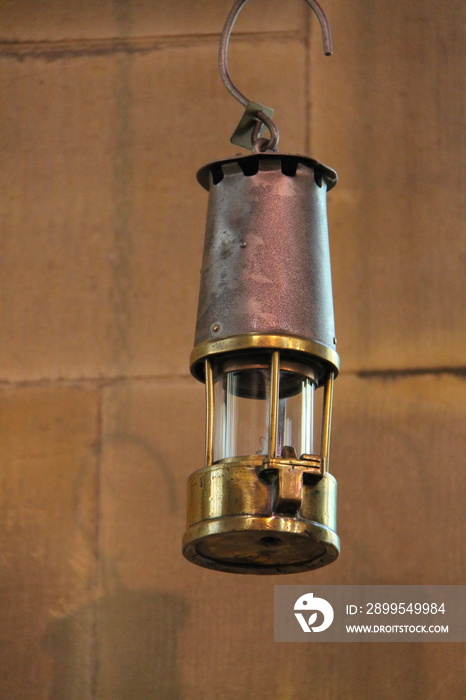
column 225, row 38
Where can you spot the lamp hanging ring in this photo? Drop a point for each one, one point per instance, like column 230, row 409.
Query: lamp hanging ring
column 225, row 39
column 262, row 144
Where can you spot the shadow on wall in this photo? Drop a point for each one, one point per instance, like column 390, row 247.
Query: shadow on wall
column 120, row 647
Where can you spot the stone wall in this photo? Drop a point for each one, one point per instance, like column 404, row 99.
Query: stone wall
column 108, row 108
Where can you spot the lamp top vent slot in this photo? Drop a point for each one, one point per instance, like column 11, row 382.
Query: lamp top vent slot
column 251, row 164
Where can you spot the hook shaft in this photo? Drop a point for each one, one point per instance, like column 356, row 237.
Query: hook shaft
column 225, row 39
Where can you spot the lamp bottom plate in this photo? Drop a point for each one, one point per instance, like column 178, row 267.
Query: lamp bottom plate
column 256, row 545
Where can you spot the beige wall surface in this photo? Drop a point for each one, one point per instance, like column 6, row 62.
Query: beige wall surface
column 107, row 111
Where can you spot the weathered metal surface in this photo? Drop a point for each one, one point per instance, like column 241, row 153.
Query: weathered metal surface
column 266, row 265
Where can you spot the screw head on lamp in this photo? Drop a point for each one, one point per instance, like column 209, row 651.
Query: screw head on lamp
column 265, row 503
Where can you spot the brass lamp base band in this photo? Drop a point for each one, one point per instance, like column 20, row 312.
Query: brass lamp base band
column 322, row 353
column 233, row 525
column 246, row 545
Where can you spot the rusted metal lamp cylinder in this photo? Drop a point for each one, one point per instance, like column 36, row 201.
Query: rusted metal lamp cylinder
column 265, row 503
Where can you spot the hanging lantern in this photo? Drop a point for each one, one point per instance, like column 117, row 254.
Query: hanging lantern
column 265, row 502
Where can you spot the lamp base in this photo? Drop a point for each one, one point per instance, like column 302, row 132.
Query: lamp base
column 233, row 526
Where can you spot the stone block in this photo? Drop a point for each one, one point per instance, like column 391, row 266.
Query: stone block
column 103, row 218
column 49, row 445
column 386, row 114
column 398, row 446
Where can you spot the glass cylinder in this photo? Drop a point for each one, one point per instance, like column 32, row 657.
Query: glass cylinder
column 241, row 401
column 295, row 414
column 242, row 410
